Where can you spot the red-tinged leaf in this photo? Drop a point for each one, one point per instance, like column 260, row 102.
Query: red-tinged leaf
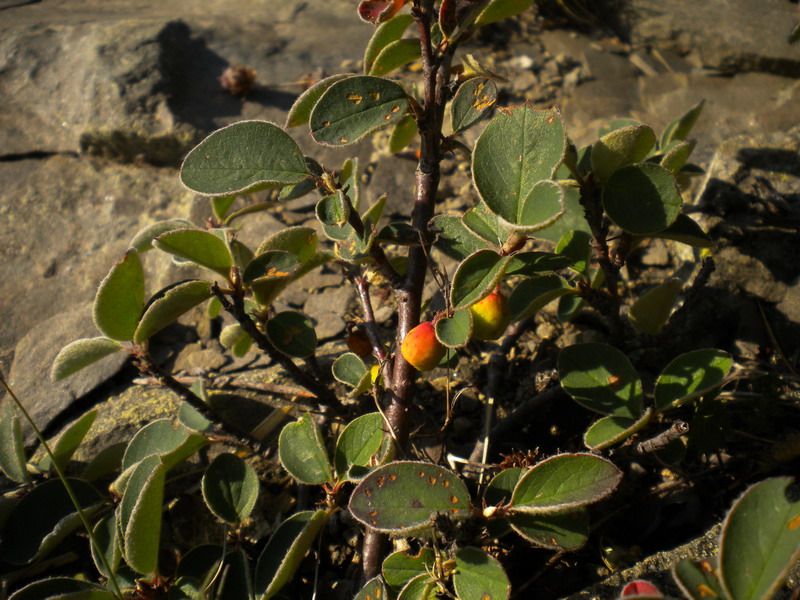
column 379, row 11
column 640, row 587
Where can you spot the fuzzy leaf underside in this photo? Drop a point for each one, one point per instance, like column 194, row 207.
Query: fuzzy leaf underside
column 169, row 304
column 302, row 452
column 119, row 300
column 80, row 354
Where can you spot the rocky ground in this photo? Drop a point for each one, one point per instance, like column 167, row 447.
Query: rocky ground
column 99, row 101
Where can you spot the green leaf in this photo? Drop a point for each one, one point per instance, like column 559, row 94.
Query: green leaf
column 394, row 55
column 285, row 550
column 455, row 331
column 497, row 10
column 62, row 588
column 573, row 218
column 243, row 157
column 569, row 306
column 272, row 264
column 422, row 587
column 120, row 298
column 67, row 443
column 12, row 449
column 686, row 231
column 698, row 580
column 169, row 304
column 349, row 369
column 230, row 488
column 471, row 102
column 601, row 378
column 650, row 312
column 501, row 487
column 681, row 127
column 220, row 205
column 358, row 443
column 300, row 241
column 171, row 442
column 691, row 375
column 403, row 134
column 80, row 354
column 476, row 277
column 106, row 534
column 453, row 238
column 386, row 33
column 561, row 531
column 44, row 517
column 403, row 496
column 531, row 264
column 374, row 589
column 531, row 295
column 302, row 452
column 223, row 577
column 576, row 245
column 302, row 107
column 479, row 576
column 139, row 515
column 292, row 333
column 105, row 462
column 350, row 179
column 355, row 107
column 518, row 149
column 760, row 540
column 642, row 198
column 610, row 431
column 143, row 240
column 485, row 224
column 675, row 157
column 615, row 124
column 188, row 416
column 621, row 147
column 400, row 567
column 233, row 336
column 565, row 482
column 333, row 210
column 198, row 246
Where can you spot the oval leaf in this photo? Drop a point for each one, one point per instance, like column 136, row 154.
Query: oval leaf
column 198, row 246
column 543, row 206
column 230, row 488
column 691, row 375
column 12, row 450
column 565, row 482
column 169, row 304
column 561, row 531
column 374, row 589
column 651, row 311
column 531, row 295
column 681, row 127
column 300, row 241
column 302, row 107
column 642, row 199
column 479, row 576
column 422, row 587
column 609, row 431
column 285, row 551
column 519, row 148
column 242, row 158
column 531, row 264
column 760, row 540
column 404, row 496
column 62, row 588
column 302, row 452
column 333, row 210
column 403, row 134
column 453, row 238
column 139, row 515
column 354, row 107
column 120, row 298
column 698, row 580
column 455, row 331
column 386, row 33
column 471, row 102
column 601, row 378
column 399, row 567
column 476, row 277
column 497, row 10
column 171, row 442
column 109, row 546
column 686, row 231
column 485, row 224
column 80, row 354
column 273, row 264
column 358, row 443
column 143, row 240
column 292, row 333
column 395, row 55
column 621, row 147
column 67, row 443
column 349, row 369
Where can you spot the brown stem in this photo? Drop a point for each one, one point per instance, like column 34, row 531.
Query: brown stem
column 236, row 309
column 148, row 367
column 435, row 78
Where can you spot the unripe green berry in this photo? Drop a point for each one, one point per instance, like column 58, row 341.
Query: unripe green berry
column 490, row 317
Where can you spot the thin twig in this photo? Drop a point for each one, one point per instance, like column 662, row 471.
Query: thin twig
column 147, row 366
column 235, row 308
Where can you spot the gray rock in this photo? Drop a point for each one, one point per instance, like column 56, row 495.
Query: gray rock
column 328, row 308
column 30, row 372
column 730, row 35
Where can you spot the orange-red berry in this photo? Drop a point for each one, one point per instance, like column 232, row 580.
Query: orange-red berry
column 421, row 348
